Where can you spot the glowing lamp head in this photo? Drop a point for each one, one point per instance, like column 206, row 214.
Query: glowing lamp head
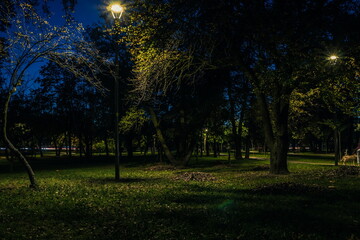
column 116, row 10
column 333, row 57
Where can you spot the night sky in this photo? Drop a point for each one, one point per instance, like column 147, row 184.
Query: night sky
column 86, row 12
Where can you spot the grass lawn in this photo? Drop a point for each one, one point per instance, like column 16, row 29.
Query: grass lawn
column 208, row 200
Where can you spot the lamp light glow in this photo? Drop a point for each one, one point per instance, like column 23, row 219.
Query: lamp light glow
column 333, row 57
column 116, row 10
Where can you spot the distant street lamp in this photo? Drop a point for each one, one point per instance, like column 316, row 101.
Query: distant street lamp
column 205, row 140
column 116, row 11
column 333, row 58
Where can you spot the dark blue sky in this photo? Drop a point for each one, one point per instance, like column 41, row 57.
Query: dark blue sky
column 86, row 11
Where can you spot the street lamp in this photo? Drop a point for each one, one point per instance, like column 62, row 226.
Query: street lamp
column 333, row 58
column 116, row 11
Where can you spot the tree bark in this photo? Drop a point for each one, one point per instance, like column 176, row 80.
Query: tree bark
column 129, row 146
column 161, row 138
column 236, row 137
column 18, row 154
column 337, row 145
column 247, row 147
column 215, row 148
column 185, row 147
column 10, row 160
column 106, row 146
column 80, row 143
column 278, row 156
column 69, row 144
column 207, row 147
column 201, row 145
column 276, row 130
column 40, row 147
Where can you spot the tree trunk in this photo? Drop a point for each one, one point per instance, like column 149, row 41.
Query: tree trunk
column 197, row 151
column 106, row 146
column 236, row 137
column 247, row 147
column 146, row 147
column 18, row 154
column 278, row 156
column 238, row 151
column 276, row 130
column 10, row 160
column 40, row 148
column 201, row 145
column 91, row 145
column 161, row 138
column 293, row 145
column 80, row 144
column 129, row 146
column 207, row 147
column 153, row 148
column 87, row 147
column 337, row 144
column 69, row 144
column 215, row 149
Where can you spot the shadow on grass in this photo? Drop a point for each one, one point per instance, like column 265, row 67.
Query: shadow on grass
column 74, row 162
column 294, row 156
column 111, row 180
column 277, row 211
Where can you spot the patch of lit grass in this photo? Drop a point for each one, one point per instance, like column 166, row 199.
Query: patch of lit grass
column 242, row 201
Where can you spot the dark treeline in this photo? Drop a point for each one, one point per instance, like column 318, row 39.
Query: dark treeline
column 203, row 77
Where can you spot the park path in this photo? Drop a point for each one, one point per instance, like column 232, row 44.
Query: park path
column 312, row 163
column 301, row 162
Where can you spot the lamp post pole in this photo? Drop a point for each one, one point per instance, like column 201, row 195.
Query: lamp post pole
column 116, row 11
column 337, row 134
column 116, row 105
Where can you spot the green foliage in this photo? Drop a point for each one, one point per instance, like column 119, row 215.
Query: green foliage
column 133, row 120
column 100, row 147
column 304, row 110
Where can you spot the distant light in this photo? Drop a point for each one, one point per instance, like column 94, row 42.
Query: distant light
column 333, row 57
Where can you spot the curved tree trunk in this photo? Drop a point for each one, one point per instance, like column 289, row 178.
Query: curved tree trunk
column 161, row 138
column 18, row 154
column 183, row 156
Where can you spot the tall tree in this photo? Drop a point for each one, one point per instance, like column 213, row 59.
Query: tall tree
column 281, row 45
column 172, row 73
column 31, row 39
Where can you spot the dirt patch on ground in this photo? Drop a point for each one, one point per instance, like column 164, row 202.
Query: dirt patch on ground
column 343, row 171
column 195, row 176
column 7, row 188
column 291, row 188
